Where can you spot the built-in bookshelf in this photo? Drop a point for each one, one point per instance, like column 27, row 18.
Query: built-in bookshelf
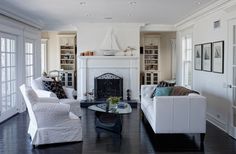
column 67, row 52
column 151, row 59
column 67, row 47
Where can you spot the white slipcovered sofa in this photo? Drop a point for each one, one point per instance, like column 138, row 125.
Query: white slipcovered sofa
column 50, row 121
column 174, row 114
column 37, row 85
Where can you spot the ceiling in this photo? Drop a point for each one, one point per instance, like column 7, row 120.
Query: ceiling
column 72, row 12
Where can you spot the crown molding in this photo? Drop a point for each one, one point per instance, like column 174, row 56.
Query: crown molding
column 157, row 27
column 20, row 18
column 218, row 5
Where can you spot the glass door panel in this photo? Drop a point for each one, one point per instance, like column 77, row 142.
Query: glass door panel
column 232, row 77
column 8, row 105
column 29, row 61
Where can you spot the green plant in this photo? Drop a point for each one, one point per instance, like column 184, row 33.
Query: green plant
column 113, row 100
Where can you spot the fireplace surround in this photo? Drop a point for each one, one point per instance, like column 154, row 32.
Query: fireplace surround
column 90, row 67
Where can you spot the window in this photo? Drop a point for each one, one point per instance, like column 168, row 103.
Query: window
column 43, row 56
column 29, row 62
column 187, row 60
column 8, row 73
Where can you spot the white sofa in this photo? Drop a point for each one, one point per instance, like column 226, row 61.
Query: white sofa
column 50, row 121
column 174, row 114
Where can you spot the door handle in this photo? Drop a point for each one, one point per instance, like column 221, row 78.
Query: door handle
column 229, row 86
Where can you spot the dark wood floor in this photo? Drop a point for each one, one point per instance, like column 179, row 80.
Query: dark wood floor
column 137, row 138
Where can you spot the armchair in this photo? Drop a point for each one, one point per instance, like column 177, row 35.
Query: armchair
column 50, row 122
column 37, row 86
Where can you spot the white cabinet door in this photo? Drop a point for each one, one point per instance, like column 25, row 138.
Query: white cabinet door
column 67, row 78
column 151, row 78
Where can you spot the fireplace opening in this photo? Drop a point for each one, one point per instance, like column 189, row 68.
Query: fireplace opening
column 107, row 85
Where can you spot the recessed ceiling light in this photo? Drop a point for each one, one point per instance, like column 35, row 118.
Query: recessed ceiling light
column 108, row 18
column 198, row 2
column 132, row 3
column 88, row 15
column 82, row 3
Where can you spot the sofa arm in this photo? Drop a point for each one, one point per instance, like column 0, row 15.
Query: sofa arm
column 180, row 114
column 51, row 114
column 146, row 91
column 51, row 107
column 45, row 93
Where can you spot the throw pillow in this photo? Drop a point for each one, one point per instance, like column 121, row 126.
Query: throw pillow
column 163, row 91
column 55, row 87
column 162, row 84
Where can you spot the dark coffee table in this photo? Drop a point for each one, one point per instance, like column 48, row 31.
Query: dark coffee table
column 110, row 119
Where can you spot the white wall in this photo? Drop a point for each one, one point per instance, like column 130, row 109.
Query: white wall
column 165, row 53
column 212, row 85
column 91, row 36
column 53, row 54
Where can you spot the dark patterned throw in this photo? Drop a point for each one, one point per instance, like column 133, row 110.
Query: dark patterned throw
column 55, row 87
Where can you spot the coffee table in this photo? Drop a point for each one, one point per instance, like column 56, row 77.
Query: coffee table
column 110, row 119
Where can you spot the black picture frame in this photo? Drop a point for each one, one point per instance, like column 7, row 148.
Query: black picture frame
column 141, row 50
column 218, row 57
column 198, row 57
column 207, row 57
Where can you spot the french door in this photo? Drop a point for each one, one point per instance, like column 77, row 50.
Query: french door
column 232, row 77
column 29, row 61
column 8, row 101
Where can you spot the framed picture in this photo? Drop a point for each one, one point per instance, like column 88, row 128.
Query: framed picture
column 218, row 57
column 198, row 57
column 207, row 57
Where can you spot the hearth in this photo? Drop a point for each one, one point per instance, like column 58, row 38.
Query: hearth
column 107, row 85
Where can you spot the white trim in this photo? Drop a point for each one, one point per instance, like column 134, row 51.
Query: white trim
column 218, row 5
column 215, row 121
column 157, row 27
column 6, row 115
column 108, row 57
column 20, row 18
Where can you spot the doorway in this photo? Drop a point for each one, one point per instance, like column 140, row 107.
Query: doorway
column 232, row 77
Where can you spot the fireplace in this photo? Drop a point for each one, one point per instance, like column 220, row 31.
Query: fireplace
column 107, row 85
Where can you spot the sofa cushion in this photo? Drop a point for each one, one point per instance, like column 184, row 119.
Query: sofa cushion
column 55, row 87
column 181, row 91
column 163, row 91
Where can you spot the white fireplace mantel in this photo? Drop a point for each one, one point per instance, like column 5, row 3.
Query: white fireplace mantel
column 90, row 67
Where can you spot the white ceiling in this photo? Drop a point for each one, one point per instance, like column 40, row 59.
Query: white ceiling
column 71, row 12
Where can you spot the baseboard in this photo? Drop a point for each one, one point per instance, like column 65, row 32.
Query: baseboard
column 212, row 119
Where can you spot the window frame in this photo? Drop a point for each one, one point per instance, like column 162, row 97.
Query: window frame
column 187, row 59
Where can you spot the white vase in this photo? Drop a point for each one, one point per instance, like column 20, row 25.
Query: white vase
column 112, row 106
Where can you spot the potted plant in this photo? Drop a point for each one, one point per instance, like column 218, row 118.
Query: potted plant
column 113, row 101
